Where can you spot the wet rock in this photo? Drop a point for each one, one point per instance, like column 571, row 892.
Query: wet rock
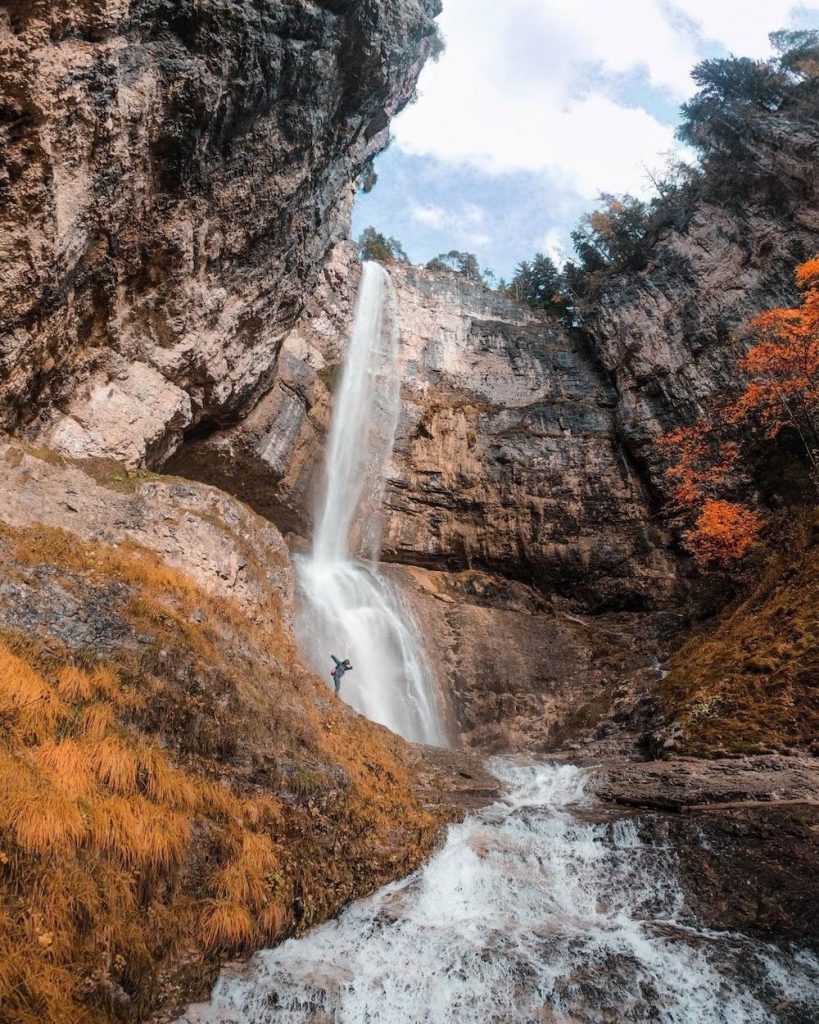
column 690, row 783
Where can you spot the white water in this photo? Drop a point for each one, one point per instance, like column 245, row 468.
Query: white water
column 349, row 608
column 532, row 912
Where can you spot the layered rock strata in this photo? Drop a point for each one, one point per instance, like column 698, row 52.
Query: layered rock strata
column 507, row 456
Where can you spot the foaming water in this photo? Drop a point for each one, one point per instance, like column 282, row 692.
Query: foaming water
column 533, row 911
column 349, row 608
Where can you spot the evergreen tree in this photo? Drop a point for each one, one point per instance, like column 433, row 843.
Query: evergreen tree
column 536, row 283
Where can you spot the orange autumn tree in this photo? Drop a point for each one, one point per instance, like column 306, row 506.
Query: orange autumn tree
column 711, row 457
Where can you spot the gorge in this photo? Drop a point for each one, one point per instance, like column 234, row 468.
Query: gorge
column 572, row 775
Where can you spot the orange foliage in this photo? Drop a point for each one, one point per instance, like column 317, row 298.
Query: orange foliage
column 724, row 532
column 784, row 366
column 126, row 850
column 782, row 391
column 703, row 463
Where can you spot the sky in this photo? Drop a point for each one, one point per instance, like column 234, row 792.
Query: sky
column 538, row 106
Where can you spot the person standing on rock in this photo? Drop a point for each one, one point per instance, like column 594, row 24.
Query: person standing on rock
column 339, row 670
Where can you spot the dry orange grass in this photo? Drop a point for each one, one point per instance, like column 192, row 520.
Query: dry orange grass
column 227, row 926
column 94, row 819
column 139, row 820
column 750, row 681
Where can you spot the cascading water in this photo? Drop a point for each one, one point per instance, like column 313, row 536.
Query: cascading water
column 349, row 608
column 536, row 910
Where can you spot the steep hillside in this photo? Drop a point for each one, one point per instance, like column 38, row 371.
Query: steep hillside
column 175, row 787
column 750, row 680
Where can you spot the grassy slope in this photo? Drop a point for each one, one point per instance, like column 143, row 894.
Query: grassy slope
column 183, row 793
column 750, row 681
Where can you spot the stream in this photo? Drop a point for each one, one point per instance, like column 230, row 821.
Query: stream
column 541, row 909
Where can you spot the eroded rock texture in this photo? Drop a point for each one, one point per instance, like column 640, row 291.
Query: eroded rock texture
column 174, row 175
column 507, row 456
column 671, row 333
column 510, row 501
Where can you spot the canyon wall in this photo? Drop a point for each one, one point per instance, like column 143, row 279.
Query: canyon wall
column 669, row 334
column 178, row 182
column 173, row 177
column 506, row 459
column 511, row 508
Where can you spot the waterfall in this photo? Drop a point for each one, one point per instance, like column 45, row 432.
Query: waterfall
column 348, row 607
column 539, row 908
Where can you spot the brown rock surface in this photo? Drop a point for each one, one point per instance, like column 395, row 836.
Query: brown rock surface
column 507, row 456
column 746, row 842
column 670, row 334
column 174, row 176
column 525, row 673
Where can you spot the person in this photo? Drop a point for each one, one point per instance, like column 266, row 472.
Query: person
column 339, row 670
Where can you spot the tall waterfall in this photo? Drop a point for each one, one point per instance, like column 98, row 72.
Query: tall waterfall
column 349, row 608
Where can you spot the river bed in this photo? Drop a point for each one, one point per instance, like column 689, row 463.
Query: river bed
column 544, row 907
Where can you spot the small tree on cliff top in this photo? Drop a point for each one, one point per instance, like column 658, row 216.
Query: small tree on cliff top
column 464, row 263
column 536, row 282
column 781, row 396
column 372, row 245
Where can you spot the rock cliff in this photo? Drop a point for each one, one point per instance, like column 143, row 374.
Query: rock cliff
column 669, row 334
column 510, row 500
column 507, row 455
column 177, row 181
column 173, row 177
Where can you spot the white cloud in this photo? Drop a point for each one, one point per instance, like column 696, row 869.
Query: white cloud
column 526, row 85
column 460, row 224
column 739, row 25
column 555, row 245
column 432, row 216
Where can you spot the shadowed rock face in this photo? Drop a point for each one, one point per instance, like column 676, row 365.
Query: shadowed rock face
column 174, row 176
column 670, row 334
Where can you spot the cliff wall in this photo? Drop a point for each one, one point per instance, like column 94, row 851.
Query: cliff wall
column 506, row 459
column 173, row 177
column 670, row 333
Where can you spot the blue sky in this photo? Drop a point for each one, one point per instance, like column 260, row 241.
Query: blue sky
column 537, row 106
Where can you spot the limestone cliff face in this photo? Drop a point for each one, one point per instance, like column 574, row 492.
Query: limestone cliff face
column 506, row 459
column 509, row 500
column 173, row 177
column 670, row 334
column 272, row 458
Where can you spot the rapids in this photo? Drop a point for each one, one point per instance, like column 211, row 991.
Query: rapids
column 541, row 908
